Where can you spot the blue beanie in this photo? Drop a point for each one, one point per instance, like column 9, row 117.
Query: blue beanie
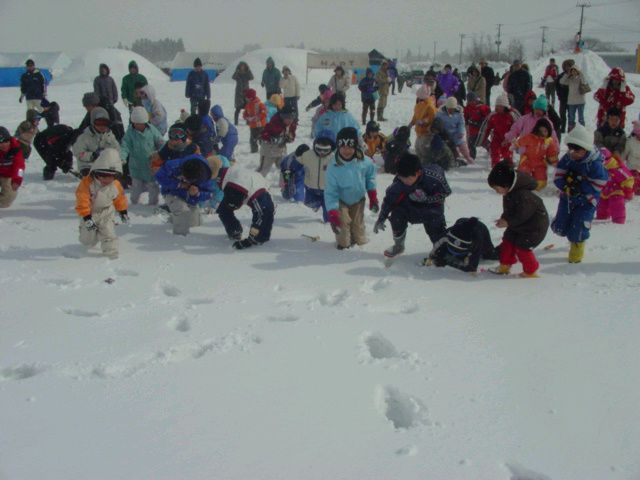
column 540, row 103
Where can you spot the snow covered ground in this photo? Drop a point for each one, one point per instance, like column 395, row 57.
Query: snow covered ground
column 295, row 360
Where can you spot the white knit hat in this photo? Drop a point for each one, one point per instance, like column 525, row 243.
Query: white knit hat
column 502, row 100
column 139, row 115
column 423, row 92
column 581, row 137
column 451, row 103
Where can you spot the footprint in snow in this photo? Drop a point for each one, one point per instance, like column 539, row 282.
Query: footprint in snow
column 333, row 299
column 192, row 302
column 59, row 282
column 373, row 286
column 407, row 451
column 378, row 347
column 402, row 410
column 21, row 372
column 180, row 324
column 169, row 290
column 124, row 272
column 77, row 312
column 518, row 472
column 285, row 318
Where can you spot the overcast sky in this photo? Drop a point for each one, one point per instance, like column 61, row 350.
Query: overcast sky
column 227, row 25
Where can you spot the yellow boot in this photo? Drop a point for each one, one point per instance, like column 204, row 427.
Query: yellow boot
column 576, row 252
column 501, row 269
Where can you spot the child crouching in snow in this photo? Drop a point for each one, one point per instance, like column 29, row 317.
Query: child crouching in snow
column 617, row 191
column 244, row 187
column 350, row 176
column 465, row 244
column 524, row 217
column 98, row 196
column 292, row 175
column 185, row 183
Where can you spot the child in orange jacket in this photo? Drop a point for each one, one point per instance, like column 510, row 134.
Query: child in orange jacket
column 255, row 114
column 537, row 150
column 374, row 142
column 98, row 196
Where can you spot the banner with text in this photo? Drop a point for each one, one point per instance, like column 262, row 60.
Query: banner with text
column 348, row 61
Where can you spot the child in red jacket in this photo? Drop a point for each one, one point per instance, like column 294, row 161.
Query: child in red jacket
column 497, row 124
column 475, row 112
column 11, row 168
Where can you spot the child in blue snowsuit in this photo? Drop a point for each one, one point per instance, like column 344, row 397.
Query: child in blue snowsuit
column 580, row 176
column 185, row 183
column 292, row 187
column 246, row 187
column 227, row 133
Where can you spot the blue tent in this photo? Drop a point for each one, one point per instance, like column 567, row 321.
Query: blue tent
column 10, row 76
column 180, row 74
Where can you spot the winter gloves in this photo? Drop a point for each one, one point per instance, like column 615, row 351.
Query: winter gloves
column 373, row 201
column 124, row 217
column 89, row 224
column 379, row 226
column 301, row 149
column 250, row 241
column 334, row 221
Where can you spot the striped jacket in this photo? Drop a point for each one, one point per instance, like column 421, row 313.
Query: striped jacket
column 584, row 178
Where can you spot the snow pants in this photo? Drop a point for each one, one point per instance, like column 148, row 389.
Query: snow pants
column 7, row 193
column 351, row 225
column 431, row 218
column 140, row 186
column 270, row 154
column 511, row 254
column 573, row 219
column 105, row 234
column 263, row 213
column 183, row 215
column 228, row 145
column 254, row 135
column 612, row 207
column 499, row 152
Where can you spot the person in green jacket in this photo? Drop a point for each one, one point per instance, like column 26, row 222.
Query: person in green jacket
column 271, row 78
column 128, row 88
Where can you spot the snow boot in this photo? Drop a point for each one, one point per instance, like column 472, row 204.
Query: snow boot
column 501, row 269
column 398, row 246
column 48, row 173
column 576, row 252
column 529, row 275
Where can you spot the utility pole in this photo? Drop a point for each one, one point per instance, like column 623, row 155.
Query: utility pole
column 435, row 44
column 544, row 31
column 498, row 41
column 462, row 35
column 582, row 6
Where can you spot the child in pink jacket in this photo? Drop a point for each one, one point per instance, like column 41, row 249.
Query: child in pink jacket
column 618, row 189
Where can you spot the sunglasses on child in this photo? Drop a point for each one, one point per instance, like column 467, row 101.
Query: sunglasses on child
column 103, row 174
column 347, row 142
column 177, row 134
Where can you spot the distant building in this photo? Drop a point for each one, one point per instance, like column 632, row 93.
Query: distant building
column 12, row 66
column 624, row 60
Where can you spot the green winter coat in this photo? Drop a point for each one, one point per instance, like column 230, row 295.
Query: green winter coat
column 128, row 88
column 139, row 146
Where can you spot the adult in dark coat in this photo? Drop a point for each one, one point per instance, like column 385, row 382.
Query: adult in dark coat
column 519, row 84
column 489, row 76
column 562, row 92
column 33, row 86
column 271, row 78
column 242, row 76
column 105, row 86
column 197, row 87
column 91, row 100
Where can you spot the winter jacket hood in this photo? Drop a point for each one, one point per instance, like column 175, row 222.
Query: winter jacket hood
column 108, row 160
column 105, row 67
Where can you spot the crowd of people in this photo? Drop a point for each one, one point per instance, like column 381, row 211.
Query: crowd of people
column 191, row 163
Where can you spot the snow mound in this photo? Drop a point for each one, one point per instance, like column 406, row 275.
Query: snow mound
column 85, row 67
column 294, row 58
column 589, row 63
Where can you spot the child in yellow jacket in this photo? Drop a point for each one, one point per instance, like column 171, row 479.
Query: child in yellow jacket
column 98, row 196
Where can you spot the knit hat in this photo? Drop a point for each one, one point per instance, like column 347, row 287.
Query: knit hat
column 108, row 162
column 197, row 62
column 348, row 137
column 100, row 116
column 326, row 136
column 460, row 235
column 502, row 175
column 139, row 115
column 502, row 100
column 216, row 111
column 29, row 63
column 250, row 94
column 193, row 123
column 451, row 103
column 5, row 136
column 408, row 165
column 581, row 137
column 423, row 92
column 90, row 99
column 195, row 170
column 472, row 97
column 540, row 103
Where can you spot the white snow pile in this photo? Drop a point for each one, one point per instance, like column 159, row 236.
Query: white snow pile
column 592, row 66
column 85, row 67
column 294, row 58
